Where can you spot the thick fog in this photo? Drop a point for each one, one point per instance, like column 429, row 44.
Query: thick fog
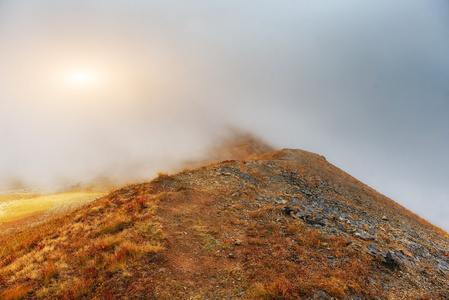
column 128, row 88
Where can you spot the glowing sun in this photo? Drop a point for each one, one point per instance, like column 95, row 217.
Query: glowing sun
column 82, row 78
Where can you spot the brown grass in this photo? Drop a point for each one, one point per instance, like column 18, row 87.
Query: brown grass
column 70, row 255
column 16, row 292
column 176, row 238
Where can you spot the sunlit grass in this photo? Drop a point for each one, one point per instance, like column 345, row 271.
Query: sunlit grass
column 14, row 207
column 6, row 197
column 70, row 255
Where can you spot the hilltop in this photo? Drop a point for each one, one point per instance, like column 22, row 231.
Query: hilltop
column 283, row 225
column 27, row 206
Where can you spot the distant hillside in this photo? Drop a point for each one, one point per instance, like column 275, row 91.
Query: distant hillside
column 284, row 225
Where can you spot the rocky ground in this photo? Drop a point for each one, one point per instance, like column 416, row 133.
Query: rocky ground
column 408, row 256
column 285, row 225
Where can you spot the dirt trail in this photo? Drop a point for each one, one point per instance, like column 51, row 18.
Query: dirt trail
column 194, row 257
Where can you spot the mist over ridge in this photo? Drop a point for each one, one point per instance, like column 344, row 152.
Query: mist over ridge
column 366, row 85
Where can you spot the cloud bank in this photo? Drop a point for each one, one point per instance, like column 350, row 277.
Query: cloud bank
column 365, row 84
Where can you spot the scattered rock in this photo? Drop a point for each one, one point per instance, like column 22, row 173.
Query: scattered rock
column 407, row 253
column 390, row 261
column 372, row 249
column 315, row 220
column 288, row 210
column 372, row 231
column 364, row 236
column 442, row 266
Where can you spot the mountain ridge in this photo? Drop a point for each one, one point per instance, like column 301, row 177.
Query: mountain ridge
column 284, row 225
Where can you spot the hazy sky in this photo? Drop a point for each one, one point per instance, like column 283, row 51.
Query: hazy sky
column 132, row 87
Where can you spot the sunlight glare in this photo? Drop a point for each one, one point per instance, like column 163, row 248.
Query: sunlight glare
column 82, row 78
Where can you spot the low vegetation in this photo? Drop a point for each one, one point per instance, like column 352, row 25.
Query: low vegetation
column 71, row 255
column 222, row 231
column 18, row 206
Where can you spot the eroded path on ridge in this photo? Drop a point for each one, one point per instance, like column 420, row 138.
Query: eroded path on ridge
column 198, row 259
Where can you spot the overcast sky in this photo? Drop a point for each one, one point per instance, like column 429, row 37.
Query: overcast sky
column 132, row 87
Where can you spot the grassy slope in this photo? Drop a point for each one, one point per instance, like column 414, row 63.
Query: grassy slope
column 16, row 206
column 198, row 234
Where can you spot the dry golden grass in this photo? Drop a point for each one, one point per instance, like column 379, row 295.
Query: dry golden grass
column 49, row 271
column 14, row 207
column 192, row 235
column 16, row 292
column 69, row 255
